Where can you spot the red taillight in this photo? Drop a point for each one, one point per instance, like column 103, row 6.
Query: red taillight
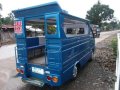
column 49, row 78
column 20, row 71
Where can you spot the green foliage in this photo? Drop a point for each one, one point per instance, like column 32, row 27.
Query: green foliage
column 51, row 29
column 41, row 26
column 114, row 46
column 0, row 6
column 7, row 20
column 0, row 15
column 98, row 13
column 0, row 9
column 118, row 25
column 0, row 22
column 113, row 25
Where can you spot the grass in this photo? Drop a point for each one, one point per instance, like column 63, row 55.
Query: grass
column 114, row 46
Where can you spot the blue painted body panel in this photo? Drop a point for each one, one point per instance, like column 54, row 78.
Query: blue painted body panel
column 74, row 50
column 32, row 41
column 62, row 52
column 37, row 10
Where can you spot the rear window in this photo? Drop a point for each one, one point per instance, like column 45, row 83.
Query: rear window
column 51, row 26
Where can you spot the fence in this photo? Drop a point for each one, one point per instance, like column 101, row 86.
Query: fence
column 117, row 83
column 7, row 37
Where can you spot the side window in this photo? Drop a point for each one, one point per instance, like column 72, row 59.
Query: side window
column 51, row 26
column 74, row 28
column 71, row 31
column 81, row 31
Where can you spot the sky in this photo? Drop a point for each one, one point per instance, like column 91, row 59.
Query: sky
column 75, row 7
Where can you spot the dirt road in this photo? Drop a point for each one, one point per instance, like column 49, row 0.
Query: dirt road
column 104, row 35
column 7, row 51
column 8, row 81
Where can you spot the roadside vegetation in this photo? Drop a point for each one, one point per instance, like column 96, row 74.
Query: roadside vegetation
column 114, row 45
column 6, row 20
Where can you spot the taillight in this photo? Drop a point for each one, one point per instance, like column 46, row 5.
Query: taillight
column 55, row 79
column 20, row 71
column 49, row 78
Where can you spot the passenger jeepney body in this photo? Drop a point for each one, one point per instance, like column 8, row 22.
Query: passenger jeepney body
column 50, row 59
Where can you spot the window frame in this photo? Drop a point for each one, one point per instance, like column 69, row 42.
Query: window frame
column 57, row 34
column 76, row 28
column 55, row 27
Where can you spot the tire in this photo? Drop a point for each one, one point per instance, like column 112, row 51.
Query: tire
column 91, row 58
column 75, row 71
column 98, row 35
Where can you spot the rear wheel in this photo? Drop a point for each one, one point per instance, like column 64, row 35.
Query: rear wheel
column 92, row 56
column 75, row 71
column 98, row 35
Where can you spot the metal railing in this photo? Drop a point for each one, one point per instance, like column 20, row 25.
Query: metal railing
column 117, row 83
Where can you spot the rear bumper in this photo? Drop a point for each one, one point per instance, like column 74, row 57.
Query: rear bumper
column 35, row 82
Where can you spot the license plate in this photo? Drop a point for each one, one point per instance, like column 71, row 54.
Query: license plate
column 38, row 70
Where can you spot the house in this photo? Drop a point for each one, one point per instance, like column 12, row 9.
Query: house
column 7, row 34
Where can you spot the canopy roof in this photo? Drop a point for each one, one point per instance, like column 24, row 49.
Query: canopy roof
column 43, row 9
column 38, row 10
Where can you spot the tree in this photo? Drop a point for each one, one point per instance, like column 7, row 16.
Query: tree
column 0, row 23
column 0, row 9
column 0, row 6
column 11, row 16
column 8, row 20
column 114, row 23
column 99, row 13
column 0, row 16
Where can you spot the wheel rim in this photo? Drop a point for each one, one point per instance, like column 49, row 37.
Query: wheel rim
column 92, row 55
column 75, row 71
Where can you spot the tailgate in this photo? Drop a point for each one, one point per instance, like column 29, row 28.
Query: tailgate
column 36, row 71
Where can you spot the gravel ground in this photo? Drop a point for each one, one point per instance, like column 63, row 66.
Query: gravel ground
column 104, row 54
column 96, row 75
